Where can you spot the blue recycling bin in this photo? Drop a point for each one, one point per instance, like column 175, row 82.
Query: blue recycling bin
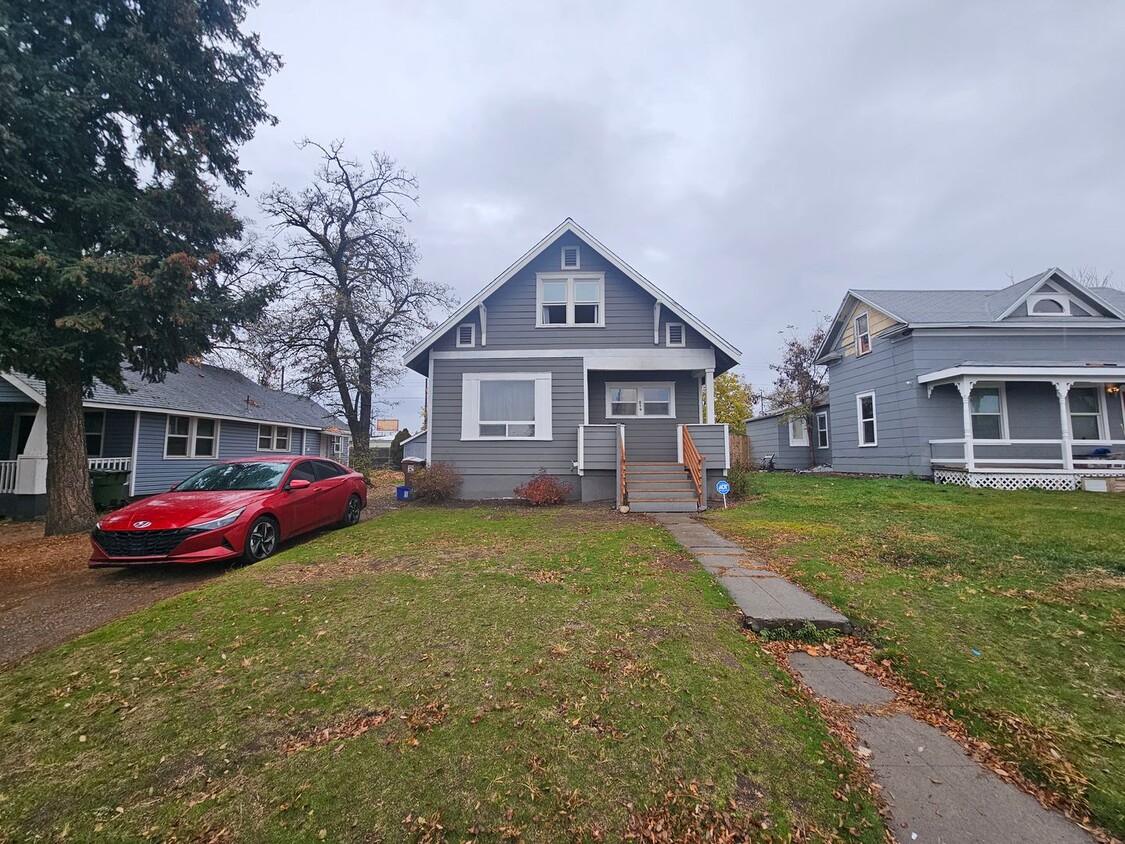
column 402, row 493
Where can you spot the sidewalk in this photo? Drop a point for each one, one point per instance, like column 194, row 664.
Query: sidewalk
column 767, row 600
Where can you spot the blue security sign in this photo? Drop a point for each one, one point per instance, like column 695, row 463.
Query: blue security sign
column 722, row 487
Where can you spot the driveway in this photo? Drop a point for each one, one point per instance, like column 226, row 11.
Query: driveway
column 48, row 596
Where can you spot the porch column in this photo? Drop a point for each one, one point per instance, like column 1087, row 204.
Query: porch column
column 709, row 374
column 1063, row 390
column 965, row 387
column 31, row 464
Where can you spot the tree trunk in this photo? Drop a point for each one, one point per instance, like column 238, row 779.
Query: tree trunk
column 70, row 509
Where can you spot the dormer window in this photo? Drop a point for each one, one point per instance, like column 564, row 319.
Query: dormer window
column 570, row 300
column 570, row 258
column 862, row 335
column 466, row 336
column 674, row 334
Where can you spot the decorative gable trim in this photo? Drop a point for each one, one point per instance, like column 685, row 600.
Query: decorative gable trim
column 1060, row 283
column 569, row 225
column 27, row 390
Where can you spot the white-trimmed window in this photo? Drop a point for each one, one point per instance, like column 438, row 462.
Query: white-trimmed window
column 822, row 429
column 274, row 437
column 466, row 335
column 674, row 334
column 862, row 334
column 191, row 436
column 571, row 258
column 988, row 411
column 506, row 406
column 644, row 400
column 798, row 431
column 570, row 300
column 865, row 412
column 1086, row 416
column 94, row 422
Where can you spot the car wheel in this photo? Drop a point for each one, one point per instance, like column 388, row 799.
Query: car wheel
column 261, row 539
column 352, row 511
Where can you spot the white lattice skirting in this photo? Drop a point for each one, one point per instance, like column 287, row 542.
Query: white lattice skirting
column 1061, row 482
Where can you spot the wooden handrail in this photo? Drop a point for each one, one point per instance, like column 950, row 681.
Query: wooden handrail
column 693, row 462
column 624, row 485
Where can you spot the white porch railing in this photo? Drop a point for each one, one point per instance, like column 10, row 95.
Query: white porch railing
column 1048, row 456
column 7, row 476
column 112, row 464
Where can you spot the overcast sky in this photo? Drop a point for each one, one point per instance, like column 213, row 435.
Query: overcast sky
column 753, row 160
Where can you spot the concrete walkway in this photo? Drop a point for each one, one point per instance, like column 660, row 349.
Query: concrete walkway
column 936, row 792
column 767, row 600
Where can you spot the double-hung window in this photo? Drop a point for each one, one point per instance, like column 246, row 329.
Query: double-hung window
column 273, row 437
column 94, row 422
column 865, row 411
column 570, row 299
column 822, row 430
column 987, row 406
column 191, row 436
column 798, row 431
column 634, row 401
column 862, row 334
column 506, row 406
column 1086, row 413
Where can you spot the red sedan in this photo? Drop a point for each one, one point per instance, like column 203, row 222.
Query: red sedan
column 240, row 508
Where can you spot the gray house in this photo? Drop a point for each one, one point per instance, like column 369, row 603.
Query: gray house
column 1010, row 388
column 784, row 442
column 159, row 433
column 572, row 362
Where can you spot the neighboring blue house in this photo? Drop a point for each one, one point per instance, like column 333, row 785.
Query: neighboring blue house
column 784, row 443
column 573, row 362
column 1007, row 388
column 160, row 433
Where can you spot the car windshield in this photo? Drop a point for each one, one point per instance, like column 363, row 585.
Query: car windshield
column 266, row 475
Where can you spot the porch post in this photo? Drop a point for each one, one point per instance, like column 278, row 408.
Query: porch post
column 1063, row 390
column 965, row 387
column 710, row 376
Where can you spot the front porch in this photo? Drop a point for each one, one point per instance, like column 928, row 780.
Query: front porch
column 1046, row 426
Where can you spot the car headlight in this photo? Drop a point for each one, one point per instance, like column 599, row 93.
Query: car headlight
column 221, row 522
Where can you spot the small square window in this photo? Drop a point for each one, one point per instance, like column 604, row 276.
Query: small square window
column 466, row 335
column 570, row 258
column 674, row 334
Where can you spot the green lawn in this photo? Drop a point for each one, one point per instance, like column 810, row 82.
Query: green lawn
column 563, row 674
column 1008, row 608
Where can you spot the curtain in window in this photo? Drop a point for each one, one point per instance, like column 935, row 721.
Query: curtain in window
column 507, row 401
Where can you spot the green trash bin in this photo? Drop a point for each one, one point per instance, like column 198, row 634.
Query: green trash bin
column 108, row 487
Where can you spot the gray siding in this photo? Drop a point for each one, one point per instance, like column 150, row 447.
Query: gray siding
column 711, row 443
column 9, row 393
column 600, row 446
column 648, row 439
column 908, row 418
column 770, row 435
column 628, row 311
column 155, row 473
column 494, row 468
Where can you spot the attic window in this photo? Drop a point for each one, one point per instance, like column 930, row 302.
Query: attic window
column 862, row 335
column 674, row 334
column 1049, row 306
column 570, row 300
column 466, row 335
column 570, row 258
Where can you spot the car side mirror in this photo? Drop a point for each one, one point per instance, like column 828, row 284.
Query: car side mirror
column 172, row 488
column 297, row 483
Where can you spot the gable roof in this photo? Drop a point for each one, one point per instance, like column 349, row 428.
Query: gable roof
column 970, row 308
column 569, row 225
column 205, row 390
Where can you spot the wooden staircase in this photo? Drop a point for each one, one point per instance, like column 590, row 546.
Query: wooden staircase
column 661, row 488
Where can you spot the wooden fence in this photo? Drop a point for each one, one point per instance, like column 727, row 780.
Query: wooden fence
column 739, row 450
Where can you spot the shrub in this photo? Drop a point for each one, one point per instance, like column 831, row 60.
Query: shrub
column 543, row 489
column 437, row 482
column 743, row 484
